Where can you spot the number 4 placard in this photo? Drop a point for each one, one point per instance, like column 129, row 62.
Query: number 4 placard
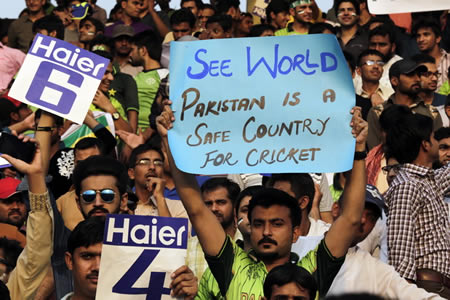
column 139, row 253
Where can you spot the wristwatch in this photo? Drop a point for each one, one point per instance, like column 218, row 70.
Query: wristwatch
column 115, row 116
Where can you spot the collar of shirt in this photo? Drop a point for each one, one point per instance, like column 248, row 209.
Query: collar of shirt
column 378, row 91
column 417, row 170
column 417, row 101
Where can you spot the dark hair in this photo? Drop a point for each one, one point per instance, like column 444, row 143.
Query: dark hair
column 151, row 41
column 182, row 15
column 104, row 54
column 257, row 30
column 88, row 232
column 207, row 6
column 99, row 26
column 213, row 184
column 404, row 140
column 268, row 197
column 141, row 149
column 384, row 19
column 353, row 2
column 101, row 39
column 249, row 191
column 222, row 6
column 276, row 6
column 383, row 30
column 301, row 185
column 368, row 52
column 447, row 101
column 198, row 3
column 442, row 133
column 90, row 142
column 321, row 27
column 225, row 21
column 100, row 165
column 427, row 22
column 288, row 273
column 393, row 114
column 11, row 251
column 50, row 23
column 422, row 58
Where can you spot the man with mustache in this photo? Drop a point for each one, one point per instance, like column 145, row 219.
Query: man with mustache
column 405, row 80
column 219, row 195
column 146, row 168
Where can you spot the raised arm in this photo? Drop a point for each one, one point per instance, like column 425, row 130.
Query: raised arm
column 210, row 233
column 341, row 233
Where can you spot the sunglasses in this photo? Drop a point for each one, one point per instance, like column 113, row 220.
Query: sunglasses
column 107, row 195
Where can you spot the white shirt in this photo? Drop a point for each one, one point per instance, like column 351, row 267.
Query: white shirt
column 315, row 234
column 362, row 273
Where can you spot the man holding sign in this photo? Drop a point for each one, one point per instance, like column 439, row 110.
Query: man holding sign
column 274, row 219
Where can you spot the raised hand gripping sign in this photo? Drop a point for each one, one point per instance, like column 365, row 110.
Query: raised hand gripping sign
column 59, row 77
column 261, row 105
column 138, row 255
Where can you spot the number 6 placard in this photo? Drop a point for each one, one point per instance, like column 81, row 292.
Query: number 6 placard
column 139, row 253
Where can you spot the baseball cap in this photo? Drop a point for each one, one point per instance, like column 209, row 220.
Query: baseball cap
column 121, row 29
column 374, row 196
column 405, row 66
column 8, row 187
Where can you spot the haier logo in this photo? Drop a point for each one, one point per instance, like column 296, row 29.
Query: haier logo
column 59, row 77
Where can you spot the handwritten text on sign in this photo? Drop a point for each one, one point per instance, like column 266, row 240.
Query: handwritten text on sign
column 59, row 77
column 272, row 104
column 139, row 253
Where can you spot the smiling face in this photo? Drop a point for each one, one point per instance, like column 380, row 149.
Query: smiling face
column 107, row 79
column 370, row 68
column 302, row 13
column 85, row 264
column 347, row 16
column 426, row 39
column 429, row 79
column 272, row 233
column 243, row 222
column 87, row 32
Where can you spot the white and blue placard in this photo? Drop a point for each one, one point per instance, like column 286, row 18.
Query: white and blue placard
column 139, row 254
column 59, row 77
column 261, row 105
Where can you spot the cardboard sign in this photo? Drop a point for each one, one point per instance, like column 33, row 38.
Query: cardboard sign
column 59, row 77
column 138, row 255
column 261, row 105
column 403, row 6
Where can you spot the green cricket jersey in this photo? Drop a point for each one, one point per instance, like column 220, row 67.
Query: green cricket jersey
column 237, row 275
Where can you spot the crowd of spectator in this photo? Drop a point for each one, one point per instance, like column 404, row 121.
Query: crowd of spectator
column 378, row 231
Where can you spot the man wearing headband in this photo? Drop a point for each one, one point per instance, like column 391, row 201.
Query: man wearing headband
column 302, row 12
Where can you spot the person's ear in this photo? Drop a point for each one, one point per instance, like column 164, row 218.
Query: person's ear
column 53, row 33
column 124, row 203
column 295, row 234
column 358, row 71
column 14, row 116
column 131, row 173
column 303, row 202
column 335, row 210
column 394, row 81
column 394, row 47
column 292, row 11
column 68, row 260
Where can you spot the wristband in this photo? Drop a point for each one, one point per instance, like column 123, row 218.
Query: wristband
column 44, row 128
column 360, row 155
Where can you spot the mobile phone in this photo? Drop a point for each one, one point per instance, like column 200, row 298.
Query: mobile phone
column 12, row 145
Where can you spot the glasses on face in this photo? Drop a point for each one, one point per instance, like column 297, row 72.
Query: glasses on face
column 107, row 195
column 372, row 62
column 148, row 162
column 395, row 168
column 429, row 74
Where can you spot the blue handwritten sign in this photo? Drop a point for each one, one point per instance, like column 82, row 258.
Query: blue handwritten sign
column 138, row 255
column 59, row 77
column 261, row 105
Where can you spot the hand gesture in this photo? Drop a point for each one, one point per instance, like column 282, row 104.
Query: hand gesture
column 35, row 167
column 164, row 121
column 155, row 185
column 184, row 283
column 359, row 126
column 102, row 102
column 131, row 139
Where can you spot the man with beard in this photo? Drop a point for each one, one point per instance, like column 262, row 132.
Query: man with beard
column 405, row 80
column 302, row 12
column 219, row 195
column 146, row 168
column 351, row 37
column 429, row 80
column 146, row 52
column 442, row 135
column 121, row 44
